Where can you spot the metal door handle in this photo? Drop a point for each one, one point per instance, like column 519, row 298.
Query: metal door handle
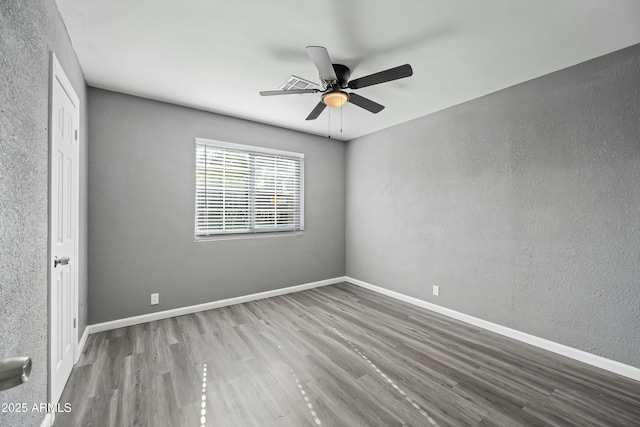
column 62, row 261
column 14, row 371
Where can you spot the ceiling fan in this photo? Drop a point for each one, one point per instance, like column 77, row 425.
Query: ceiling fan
column 335, row 78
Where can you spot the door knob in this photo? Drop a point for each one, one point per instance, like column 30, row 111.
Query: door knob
column 14, row 371
column 62, row 261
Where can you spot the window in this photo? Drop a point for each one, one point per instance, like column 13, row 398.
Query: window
column 242, row 189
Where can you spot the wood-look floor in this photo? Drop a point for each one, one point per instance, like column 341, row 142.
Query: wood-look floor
column 333, row 356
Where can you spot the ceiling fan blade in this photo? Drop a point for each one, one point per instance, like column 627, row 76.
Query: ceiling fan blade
column 365, row 103
column 316, row 111
column 382, row 77
column 320, row 58
column 287, row 92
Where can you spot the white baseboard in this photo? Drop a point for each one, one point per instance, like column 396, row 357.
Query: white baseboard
column 573, row 353
column 130, row 321
column 47, row 421
column 81, row 344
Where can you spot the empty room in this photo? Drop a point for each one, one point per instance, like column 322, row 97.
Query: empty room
column 341, row 213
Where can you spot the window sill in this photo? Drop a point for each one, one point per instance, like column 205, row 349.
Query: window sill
column 240, row 236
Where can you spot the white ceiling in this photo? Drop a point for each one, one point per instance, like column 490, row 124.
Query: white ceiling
column 217, row 55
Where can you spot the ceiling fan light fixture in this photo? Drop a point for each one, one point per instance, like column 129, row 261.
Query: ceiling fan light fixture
column 335, row 98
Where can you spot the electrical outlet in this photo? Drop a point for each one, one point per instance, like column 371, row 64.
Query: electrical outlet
column 155, row 299
column 436, row 290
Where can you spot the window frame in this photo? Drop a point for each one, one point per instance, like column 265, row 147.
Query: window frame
column 251, row 233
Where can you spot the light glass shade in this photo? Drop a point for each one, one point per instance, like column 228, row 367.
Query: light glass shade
column 335, row 99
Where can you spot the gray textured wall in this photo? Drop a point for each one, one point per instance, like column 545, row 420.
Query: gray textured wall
column 523, row 206
column 28, row 31
column 141, row 211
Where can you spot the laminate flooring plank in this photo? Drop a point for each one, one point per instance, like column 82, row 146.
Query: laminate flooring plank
column 270, row 406
column 200, row 322
column 525, row 379
column 190, row 415
column 514, row 386
column 156, row 350
column 316, row 366
column 122, row 409
column 608, row 387
column 603, row 407
column 404, row 361
column 111, row 376
column 496, row 418
column 436, row 398
column 544, row 415
column 244, row 403
column 455, row 408
column 187, row 373
column 447, row 371
column 290, row 388
column 95, row 350
column 163, row 406
column 218, row 413
column 174, row 328
column 382, row 394
column 340, row 406
column 230, row 343
column 97, row 414
column 241, row 314
column 304, row 300
column 334, row 355
column 582, row 406
column 338, row 355
column 347, row 390
column 140, row 337
column 285, row 409
column 592, row 390
column 275, row 318
column 81, row 383
column 197, row 346
column 331, row 410
column 139, row 376
column 561, row 412
column 224, row 316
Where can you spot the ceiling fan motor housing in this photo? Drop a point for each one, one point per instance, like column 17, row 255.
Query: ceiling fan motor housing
column 343, row 73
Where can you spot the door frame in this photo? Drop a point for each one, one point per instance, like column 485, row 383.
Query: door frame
column 57, row 73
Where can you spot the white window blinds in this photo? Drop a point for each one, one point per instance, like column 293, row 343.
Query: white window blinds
column 245, row 189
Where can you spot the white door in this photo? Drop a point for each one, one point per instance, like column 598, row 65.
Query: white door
column 63, row 226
